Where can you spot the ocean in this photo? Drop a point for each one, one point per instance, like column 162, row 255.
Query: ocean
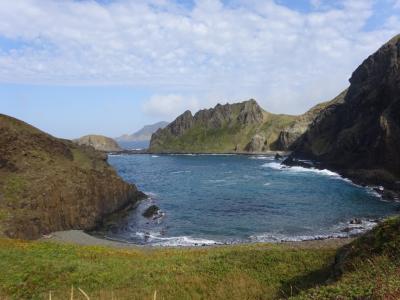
column 225, row 199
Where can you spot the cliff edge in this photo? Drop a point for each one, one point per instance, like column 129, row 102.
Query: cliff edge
column 48, row 184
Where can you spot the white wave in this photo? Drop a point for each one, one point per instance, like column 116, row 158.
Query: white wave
column 155, row 239
column 180, row 172
column 151, row 194
column 154, row 156
column 297, row 169
column 216, row 180
column 261, row 157
column 341, row 230
column 274, row 165
column 267, row 183
column 278, row 238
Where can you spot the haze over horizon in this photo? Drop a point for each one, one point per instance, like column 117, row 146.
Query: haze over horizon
column 109, row 67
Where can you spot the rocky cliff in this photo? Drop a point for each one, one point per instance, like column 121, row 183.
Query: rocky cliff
column 360, row 135
column 48, row 184
column 239, row 127
column 99, row 142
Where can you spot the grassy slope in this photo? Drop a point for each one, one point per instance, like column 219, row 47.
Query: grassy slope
column 370, row 269
column 31, row 269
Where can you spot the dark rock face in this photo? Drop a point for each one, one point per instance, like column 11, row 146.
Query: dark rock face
column 360, row 136
column 257, row 144
column 48, row 184
column 289, row 136
column 250, row 113
column 181, row 124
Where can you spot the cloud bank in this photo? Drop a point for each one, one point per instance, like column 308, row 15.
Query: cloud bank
column 213, row 51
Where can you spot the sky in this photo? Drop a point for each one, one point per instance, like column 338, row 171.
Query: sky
column 76, row 67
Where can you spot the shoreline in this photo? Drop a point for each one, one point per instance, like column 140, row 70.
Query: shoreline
column 81, row 238
column 145, row 151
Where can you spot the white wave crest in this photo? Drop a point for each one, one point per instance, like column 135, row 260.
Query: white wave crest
column 180, row 172
column 342, row 230
column 154, row 238
column 261, row 157
column 297, row 169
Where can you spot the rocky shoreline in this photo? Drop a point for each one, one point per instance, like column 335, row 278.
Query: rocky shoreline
column 79, row 237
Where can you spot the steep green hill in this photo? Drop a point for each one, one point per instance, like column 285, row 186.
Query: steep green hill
column 239, row 127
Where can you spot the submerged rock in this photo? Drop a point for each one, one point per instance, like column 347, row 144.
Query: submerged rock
column 151, row 211
column 356, row 221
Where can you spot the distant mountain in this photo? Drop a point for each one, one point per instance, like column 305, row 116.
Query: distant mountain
column 99, row 142
column 143, row 135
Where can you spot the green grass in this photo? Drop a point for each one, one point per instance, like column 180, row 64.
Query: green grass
column 14, row 186
column 31, row 269
column 368, row 268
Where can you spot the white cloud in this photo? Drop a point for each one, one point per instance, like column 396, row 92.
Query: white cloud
column 287, row 59
column 167, row 107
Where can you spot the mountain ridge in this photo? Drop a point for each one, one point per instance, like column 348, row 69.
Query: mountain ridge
column 242, row 127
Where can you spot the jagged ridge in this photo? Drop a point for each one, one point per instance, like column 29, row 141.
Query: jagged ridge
column 239, row 127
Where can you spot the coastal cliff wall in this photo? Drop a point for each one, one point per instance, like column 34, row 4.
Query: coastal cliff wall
column 48, row 184
column 360, row 135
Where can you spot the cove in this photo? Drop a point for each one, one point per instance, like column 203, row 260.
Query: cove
column 223, row 199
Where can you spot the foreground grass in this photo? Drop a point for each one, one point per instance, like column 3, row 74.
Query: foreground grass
column 29, row 270
column 368, row 268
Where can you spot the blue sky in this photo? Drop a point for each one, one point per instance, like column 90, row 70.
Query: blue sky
column 109, row 67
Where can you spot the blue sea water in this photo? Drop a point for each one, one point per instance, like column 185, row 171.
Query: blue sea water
column 212, row 199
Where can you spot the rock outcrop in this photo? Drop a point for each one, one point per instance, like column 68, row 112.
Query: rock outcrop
column 99, row 142
column 290, row 135
column 48, row 184
column 360, row 135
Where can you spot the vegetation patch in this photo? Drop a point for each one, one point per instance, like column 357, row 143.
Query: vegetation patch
column 30, row 270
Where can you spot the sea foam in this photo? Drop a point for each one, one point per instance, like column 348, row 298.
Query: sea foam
column 155, row 239
column 298, row 169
